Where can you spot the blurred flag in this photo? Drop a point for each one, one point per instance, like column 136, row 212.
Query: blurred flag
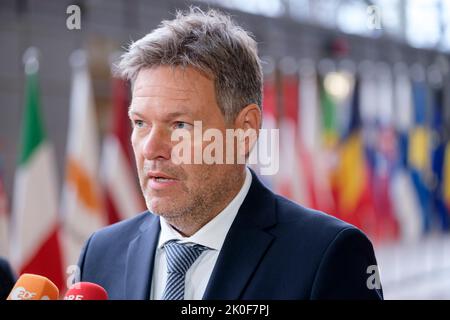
column 446, row 115
column 315, row 161
column 382, row 166
column 329, row 136
column 81, row 206
column 330, row 132
column 446, row 183
column 419, row 153
column 122, row 197
column 446, row 127
column 35, row 229
column 4, row 221
column 405, row 201
column 370, row 110
column 269, row 122
column 353, row 184
column 292, row 178
column 438, row 157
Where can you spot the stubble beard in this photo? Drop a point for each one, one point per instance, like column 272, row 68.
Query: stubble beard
column 203, row 204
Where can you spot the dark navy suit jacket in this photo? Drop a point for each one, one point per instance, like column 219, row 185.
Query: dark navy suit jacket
column 275, row 249
column 7, row 279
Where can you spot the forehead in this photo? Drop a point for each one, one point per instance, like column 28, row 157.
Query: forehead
column 165, row 90
column 173, row 83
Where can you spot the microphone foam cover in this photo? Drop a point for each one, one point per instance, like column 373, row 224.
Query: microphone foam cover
column 34, row 287
column 86, row 291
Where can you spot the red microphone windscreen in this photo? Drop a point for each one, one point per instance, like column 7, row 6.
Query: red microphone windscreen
column 86, row 291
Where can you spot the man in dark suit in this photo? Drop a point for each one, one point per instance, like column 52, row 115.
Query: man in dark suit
column 7, row 279
column 213, row 230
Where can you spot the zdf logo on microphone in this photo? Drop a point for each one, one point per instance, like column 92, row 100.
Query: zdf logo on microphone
column 20, row 293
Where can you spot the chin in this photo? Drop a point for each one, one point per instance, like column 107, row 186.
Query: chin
column 162, row 207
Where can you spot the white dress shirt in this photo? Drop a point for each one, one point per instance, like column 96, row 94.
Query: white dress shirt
column 211, row 235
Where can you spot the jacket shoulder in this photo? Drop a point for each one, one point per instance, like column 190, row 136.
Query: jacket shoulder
column 124, row 230
column 305, row 221
column 114, row 239
column 340, row 253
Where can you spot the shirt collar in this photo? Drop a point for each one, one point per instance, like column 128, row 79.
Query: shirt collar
column 212, row 234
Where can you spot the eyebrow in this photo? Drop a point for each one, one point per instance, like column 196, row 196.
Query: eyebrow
column 169, row 116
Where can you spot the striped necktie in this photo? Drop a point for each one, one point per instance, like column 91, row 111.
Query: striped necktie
column 179, row 257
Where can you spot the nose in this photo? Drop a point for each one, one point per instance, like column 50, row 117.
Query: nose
column 157, row 145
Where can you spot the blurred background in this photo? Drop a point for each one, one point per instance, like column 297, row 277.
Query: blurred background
column 360, row 91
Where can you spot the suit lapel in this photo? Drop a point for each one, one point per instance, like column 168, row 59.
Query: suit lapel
column 140, row 260
column 245, row 244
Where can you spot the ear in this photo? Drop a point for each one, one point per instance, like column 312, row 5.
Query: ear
column 249, row 121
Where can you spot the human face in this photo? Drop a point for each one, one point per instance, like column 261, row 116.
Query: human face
column 168, row 98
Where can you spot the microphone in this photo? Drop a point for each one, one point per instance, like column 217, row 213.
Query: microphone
column 34, row 287
column 86, row 291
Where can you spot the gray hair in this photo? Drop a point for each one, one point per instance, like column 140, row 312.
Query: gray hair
column 211, row 43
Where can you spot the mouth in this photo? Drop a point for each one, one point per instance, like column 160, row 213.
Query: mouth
column 159, row 175
column 158, row 178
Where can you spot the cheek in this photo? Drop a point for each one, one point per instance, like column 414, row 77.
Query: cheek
column 136, row 147
column 133, row 142
column 193, row 174
column 201, row 175
column 139, row 161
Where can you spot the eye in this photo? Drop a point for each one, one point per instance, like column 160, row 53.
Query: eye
column 138, row 123
column 181, row 125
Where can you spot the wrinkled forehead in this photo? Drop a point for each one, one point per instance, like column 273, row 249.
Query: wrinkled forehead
column 170, row 88
column 150, row 90
column 179, row 82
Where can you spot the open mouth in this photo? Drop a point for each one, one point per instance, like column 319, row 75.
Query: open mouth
column 160, row 177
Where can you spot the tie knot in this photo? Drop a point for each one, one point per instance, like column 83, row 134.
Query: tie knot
column 180, row 256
